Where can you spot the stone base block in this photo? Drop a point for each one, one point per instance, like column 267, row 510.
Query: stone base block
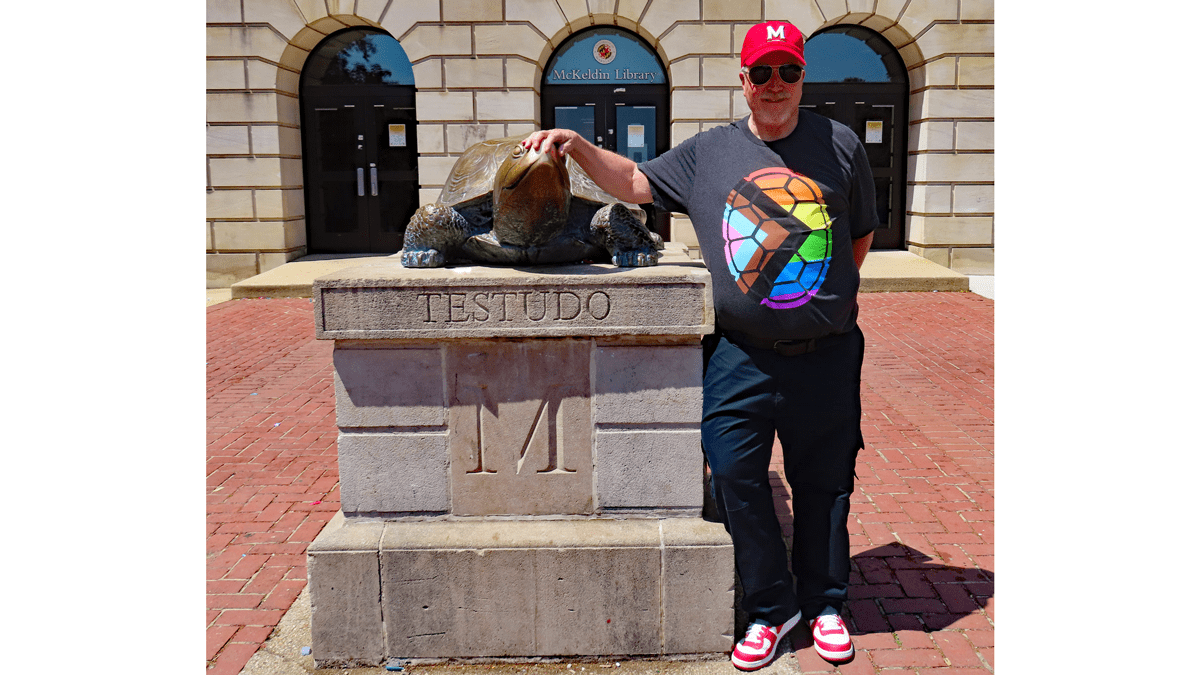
column 570, row 390
column 481, row 588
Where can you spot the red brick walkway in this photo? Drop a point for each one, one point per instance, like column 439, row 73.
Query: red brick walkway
column 921, row 531
column 272, row 467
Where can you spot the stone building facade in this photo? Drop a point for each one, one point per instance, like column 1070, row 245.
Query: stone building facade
column 478, row 73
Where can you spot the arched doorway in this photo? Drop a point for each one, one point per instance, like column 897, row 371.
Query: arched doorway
column 358, row 124
column 855, row 76
column 609, row 86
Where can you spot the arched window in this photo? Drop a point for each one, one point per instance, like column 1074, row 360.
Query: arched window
column 855, row 76
column 852, row 54
column 358, row 56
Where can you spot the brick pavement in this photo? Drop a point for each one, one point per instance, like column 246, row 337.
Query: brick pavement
column 272, row 467
column 922, row 515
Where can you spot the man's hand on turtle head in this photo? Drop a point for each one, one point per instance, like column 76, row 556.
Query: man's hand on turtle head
column 561, row 140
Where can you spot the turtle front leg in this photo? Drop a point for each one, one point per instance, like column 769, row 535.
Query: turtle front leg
column 630, row 243
column 433, row 231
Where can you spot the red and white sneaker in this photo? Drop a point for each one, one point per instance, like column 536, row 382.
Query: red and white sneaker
column 832, row 638
column 758, row 647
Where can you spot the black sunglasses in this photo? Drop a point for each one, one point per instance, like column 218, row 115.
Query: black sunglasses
column 788, row 72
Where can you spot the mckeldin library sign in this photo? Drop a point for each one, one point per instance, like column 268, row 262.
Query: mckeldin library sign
column 595, row 74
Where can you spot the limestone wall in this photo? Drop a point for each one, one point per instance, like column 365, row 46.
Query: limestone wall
column 478, row 68
column 951, row 143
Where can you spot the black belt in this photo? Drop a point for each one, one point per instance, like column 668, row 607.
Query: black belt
column 783, row 347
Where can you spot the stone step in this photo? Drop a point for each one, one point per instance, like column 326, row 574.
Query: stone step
column 519, row 588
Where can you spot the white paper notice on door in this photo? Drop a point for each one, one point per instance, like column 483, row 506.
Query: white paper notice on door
column 637, row 135
column 874, row 131
column 397, row 138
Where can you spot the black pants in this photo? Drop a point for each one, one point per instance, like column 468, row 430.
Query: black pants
column 812, row 402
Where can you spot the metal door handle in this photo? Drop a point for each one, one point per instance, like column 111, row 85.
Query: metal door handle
column 374, row 183
column 360, row 182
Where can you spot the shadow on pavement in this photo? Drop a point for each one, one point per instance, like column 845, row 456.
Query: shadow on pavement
column 898, row 587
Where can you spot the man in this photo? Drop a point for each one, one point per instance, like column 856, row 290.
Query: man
column 784, row 209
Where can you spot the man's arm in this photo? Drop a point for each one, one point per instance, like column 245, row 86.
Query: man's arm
column 615, row 174
column 861, row 246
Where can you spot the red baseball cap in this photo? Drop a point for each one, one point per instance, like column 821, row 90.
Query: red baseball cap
column 772, row 36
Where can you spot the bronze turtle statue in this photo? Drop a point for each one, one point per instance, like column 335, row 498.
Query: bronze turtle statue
column 508, row 205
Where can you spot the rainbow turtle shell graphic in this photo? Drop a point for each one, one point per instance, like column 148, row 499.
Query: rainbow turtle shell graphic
column 771, row 214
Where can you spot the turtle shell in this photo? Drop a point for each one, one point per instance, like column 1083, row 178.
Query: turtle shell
column 474, row 173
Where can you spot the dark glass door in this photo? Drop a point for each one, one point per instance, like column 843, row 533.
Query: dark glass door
column 579, row 118
column 335, row 214
column 361, row 170
column 636, row 132
column 603, row 114
column 630, row 120
column 629, row 130
column 392, row 173
column 874, row 113
column 855, row 76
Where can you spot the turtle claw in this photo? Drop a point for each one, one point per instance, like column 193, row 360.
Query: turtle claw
column 635, row 259
column 422, row 258
column 630, row 242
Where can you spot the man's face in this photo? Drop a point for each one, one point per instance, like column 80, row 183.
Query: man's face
column 775, row 102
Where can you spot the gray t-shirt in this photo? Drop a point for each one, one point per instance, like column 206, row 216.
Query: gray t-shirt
column 775, row 221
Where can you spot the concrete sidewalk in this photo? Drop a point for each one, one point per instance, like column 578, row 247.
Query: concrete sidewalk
column 921, row 524
column 883, row 271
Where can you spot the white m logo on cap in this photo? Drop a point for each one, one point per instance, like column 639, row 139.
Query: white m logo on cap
column 774, row 32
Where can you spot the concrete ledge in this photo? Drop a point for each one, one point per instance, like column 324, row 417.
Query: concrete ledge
column 295, row 279
column 519, row 589
column 218, row 295
column 896, row 271
column 883, row 271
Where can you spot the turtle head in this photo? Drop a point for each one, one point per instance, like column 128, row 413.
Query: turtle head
column 531, row 197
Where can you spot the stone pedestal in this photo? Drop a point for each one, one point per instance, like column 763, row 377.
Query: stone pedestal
column 521, row 473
